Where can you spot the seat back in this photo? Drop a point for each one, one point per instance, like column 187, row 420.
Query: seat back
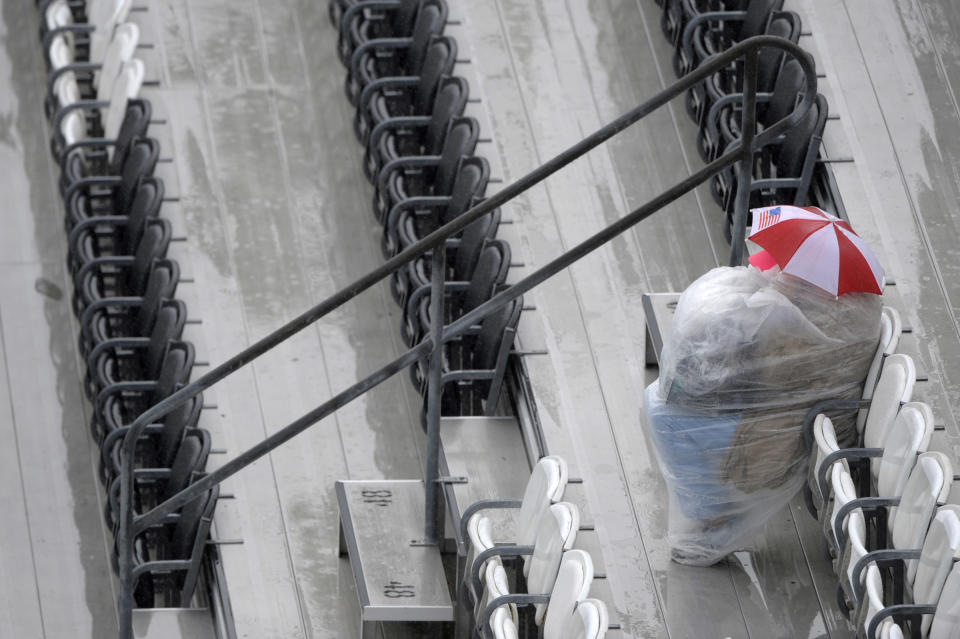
column 825, row 443
column 105, row 15
column 438, row 63
column 946, row 620
column 140, row 163
column 496, row 584
column 190, row 460
column 756, row 18
column 928, row 483
column 672, row 19
column 469, row 186
column 125, row 87
column 795, row 157
column 189, row 540
column 184, row 538
column 890, row 328
column 502, row 625
column 492, row 333
column 492, row 348
column 480, row 371
column 891, row 631
column 843, row 492
column 119, row 51
column 175, row 370
column 471, row 242
column 941, row 549
column 557, row 533
column 788, row 85
column 784, row 26
column 460, row 143
column 135, row 122
column 404, row 17
column 73, row 127
column 873, row 599
column 58, row 14
column 789, row 155
column 909, row 436
column 161, row 286
column 547, row 483
column 152, row 247
column 60, row 55
column 177, row 422
column 429, row 24
column 61, row 50
column 144, row 209
column 570, row 588
column 449, row 104
column 491, row 272
column 590, row 621
column 856, row 549
column 896, row 330
column 480, row 533
column 168, row 328
column 68, row 91
column 895, row 387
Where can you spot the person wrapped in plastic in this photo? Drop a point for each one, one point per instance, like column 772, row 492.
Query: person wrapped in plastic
column 749, row 353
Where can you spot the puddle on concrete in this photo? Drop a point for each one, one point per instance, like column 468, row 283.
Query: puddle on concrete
column 47, row 288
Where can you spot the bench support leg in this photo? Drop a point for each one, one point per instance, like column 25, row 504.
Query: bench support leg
column 649, row 351
column 368, row 630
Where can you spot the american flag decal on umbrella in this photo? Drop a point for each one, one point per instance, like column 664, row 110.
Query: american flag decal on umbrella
column 766, row 217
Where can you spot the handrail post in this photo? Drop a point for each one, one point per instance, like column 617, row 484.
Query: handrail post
column 434, row 391
column 748, row 128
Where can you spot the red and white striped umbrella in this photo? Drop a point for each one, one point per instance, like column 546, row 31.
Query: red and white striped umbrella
column 817, row 247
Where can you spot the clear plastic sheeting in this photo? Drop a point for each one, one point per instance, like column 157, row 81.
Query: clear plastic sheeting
column 748, row 354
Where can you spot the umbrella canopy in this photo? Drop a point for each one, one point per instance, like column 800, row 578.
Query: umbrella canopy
column 817, row 247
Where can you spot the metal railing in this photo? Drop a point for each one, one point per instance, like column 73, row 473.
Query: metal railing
column 130, row 526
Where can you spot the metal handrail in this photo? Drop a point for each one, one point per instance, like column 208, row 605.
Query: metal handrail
column 741, row 152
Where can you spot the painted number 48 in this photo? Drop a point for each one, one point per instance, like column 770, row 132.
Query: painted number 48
column 396, row 590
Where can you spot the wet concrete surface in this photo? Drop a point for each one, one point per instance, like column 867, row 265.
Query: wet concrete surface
column 276, row 215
